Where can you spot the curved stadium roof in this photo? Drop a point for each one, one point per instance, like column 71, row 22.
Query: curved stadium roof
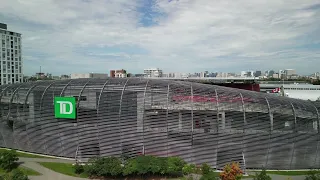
column 198, row 122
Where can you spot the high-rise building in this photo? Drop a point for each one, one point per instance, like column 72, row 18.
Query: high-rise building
column 257, row 73
column 289, row 72
column 152, row 72
column 11, row 61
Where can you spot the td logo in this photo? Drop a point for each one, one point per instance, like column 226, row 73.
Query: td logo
column 65, row 107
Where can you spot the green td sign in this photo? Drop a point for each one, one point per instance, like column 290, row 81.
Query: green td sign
column 65, row 107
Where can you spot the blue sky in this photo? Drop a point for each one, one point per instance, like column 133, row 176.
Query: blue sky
column 76, row 36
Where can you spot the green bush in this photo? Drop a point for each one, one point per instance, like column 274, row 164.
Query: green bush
column 8, row 160
column 209, row 176
column 175, row 165
column 78, row 169
column 188, row 169
column 109, row 166
column 206, row 169
column 15, row 174
column 262, row 175
column 313, row 175
column 143, row 165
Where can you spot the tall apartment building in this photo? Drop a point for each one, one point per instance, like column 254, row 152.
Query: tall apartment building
column 152, row 72
column 10, row 56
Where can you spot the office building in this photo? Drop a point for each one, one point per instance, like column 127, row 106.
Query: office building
column 153, row 72
column 118, row 73
column 11, row 60
column 289, row 72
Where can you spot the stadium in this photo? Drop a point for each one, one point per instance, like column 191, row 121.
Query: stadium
column 84, row 118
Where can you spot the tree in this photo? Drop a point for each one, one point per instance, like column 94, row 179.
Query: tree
column 8, row 160
column 231, row 172
column 262, row 176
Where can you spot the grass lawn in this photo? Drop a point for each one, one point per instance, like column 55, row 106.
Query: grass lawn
column 25, row 170
column 287, row 173
column 27, row 155
column 62, row 168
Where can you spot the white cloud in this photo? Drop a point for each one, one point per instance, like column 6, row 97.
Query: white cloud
column 191, row 35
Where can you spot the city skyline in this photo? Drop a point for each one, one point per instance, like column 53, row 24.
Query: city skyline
column 176, row 36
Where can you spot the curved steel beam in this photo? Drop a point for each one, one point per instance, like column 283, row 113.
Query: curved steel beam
column 65, row 87
column 3, row 90
column 218, row 124
column 318, row 124
column 40, row 109
column 243, row 130
column 192, row 121
column 78, row 104
column 144, row 103
column 98, row 108
column 9, row 112
column 295, row 131
column 60, row 137
column 120, row 106
column 167, row 116
column 270, row 132
column 24, row 106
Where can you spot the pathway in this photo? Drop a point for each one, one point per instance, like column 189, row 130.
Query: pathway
column 47, row 174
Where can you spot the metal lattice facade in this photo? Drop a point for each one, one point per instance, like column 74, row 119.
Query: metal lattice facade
column 200, row 123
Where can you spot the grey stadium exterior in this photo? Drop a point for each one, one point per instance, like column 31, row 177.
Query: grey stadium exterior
column 200, row 123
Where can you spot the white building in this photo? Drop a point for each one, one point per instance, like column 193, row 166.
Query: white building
column 152, row 72
column 11, row 61
column 89, row 75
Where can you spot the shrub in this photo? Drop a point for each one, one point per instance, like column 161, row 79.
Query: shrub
column 262, row 175
column 175, row 165
column 210, row 176
column 8, row 160
column 231, row 172
column 188, row 169
column 16, row 174
column 78, row 169
column 313, row 175
column 110, row 166
column 206, row 169
column 143, row 165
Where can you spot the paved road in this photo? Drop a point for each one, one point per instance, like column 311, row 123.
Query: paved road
column 47, row 174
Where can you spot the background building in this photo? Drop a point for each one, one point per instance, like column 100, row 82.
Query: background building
column 153, row 72
column 11, row 61
column 89, row 75
column 118, row 73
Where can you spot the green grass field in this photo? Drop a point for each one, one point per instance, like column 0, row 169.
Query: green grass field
column 27, row 155
column 62, row 168
column 25, row 170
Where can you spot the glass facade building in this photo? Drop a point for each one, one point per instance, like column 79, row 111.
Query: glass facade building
column 132, row 116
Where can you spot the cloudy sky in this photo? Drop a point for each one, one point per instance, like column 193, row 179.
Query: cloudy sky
column 69, row 36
